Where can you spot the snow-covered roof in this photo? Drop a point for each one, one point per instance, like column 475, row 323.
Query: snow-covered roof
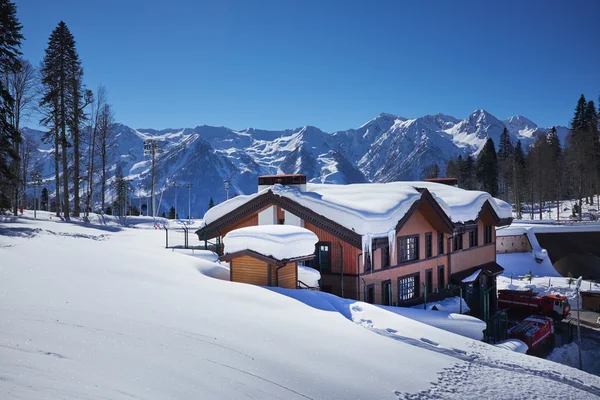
column 281, row 242
column 473, row 277
column 374, row 209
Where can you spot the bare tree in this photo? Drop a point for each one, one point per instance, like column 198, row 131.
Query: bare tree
column 97, row 105
column 81, row 98
column 21, row 85
column 106, row 142
column 28, row 143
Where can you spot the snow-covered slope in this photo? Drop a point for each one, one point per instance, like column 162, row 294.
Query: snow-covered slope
column 386, row 148
column 138, row 321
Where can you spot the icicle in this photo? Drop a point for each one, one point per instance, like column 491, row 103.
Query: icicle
column 367, row 246
column 392, row 240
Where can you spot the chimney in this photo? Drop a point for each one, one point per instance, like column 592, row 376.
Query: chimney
column 295, row 180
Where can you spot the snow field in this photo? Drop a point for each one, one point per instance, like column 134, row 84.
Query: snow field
column 122, row 317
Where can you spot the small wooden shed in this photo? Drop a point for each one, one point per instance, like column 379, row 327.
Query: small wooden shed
column 248, row 266
column 268, row 255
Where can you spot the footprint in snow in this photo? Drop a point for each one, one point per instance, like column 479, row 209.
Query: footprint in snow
column 431, row 342
column 357, row 308
column 390, row 330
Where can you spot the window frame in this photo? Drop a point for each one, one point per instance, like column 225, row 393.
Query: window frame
column 428, row 245
column 403, row 248
column 458, row 239
column 385, row 257
column 403, row 282
column 474, row 237
column 440, row 243
column 441, row 278
column 487, row 234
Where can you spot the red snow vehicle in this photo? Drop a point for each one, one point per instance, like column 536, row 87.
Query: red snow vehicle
column 553, row 305
column 535, row 331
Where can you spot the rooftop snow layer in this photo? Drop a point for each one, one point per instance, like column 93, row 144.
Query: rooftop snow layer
column 374, row 208
column 278, row 241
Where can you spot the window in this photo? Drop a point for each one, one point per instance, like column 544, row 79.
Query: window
column 368, row 262
column 473, row 238
column 385, row 256
column 441, row 282
column 408, row 287
column 428, row 245
column 429, row 281
column 408, row 248
column 440, row 243
column 323, row 256
column 487, row 234
column 458, row 241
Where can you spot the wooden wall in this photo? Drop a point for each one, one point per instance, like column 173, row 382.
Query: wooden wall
column 246, row 269
column 350, row 253
column 288, row 276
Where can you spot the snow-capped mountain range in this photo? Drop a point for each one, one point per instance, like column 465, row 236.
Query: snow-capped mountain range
column 387, row 148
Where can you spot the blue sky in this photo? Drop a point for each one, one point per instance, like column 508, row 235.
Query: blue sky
column 332, row 64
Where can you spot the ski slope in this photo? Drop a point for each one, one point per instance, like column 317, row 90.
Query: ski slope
column 104, row 311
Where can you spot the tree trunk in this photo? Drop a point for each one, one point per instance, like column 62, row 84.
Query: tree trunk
column 57, row 172
column 103, row 188
column 76, row 155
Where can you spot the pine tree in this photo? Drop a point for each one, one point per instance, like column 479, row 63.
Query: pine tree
column 452, row 170
column 505, row 153
column 211, row 203
column 59, row 66
column 467, row 173
column 10, row 43
column 582, row 152
column 122, row 191
column 519, row 178
column 172, row 212
column 487, row 168
column 431, row 171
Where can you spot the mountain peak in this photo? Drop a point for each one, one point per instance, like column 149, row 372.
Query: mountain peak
column 519, row 121
column 387, row 116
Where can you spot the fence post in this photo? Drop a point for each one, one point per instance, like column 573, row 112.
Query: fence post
column 166, row 237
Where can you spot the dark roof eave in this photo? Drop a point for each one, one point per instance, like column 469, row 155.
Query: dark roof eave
column 262, row 257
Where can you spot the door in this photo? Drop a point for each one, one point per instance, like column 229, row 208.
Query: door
column 386, row 293
column 370, row 294
column 429, row 281
column 323, row 256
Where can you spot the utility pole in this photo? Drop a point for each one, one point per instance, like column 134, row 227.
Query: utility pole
column 36, row 180
column 189, row 187
column 140, row 197
column 151, row 149
column 176, row 185
column 578, row 286
column 227, row 188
